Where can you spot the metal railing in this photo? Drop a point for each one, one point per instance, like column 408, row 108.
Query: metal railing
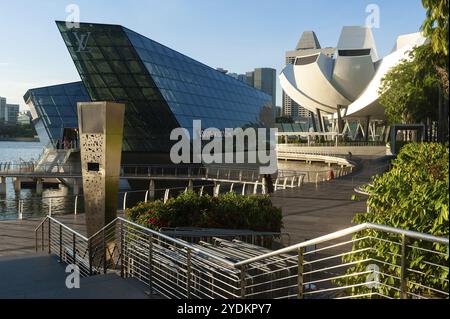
column 345, row 264
column 333, row 144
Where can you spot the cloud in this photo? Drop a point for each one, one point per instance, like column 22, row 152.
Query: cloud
column 4, row 64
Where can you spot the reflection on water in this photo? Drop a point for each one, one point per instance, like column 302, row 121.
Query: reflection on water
column 61, row 200
column 33, row 205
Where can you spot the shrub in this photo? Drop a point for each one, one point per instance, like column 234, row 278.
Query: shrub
column 413, row 196
column 229, row 211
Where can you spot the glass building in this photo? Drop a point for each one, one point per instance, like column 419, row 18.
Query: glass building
column 54, row 110
column 161, row 88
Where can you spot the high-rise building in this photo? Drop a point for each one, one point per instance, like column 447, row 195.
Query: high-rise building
column 11, row 113
column 8, row 112
column 263, row 79
column 307, row 45
column 2, row 108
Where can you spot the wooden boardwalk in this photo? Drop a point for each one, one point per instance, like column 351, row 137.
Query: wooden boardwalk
column 17, row 236
column 309, row 212
column 316, row 210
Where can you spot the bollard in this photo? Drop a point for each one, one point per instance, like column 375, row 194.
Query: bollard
column 76, row 205
column 243, row 189
column 125, row 201
column 166, row 196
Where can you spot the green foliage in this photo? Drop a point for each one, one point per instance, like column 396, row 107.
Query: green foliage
column 435, row 25
column 229, row 211
column 11, row 131
column 414, row 195
column 410, row 91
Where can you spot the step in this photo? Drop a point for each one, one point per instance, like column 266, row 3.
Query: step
column 43, row 277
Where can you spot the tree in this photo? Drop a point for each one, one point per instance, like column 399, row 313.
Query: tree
column 410, row 91
column 435, row 25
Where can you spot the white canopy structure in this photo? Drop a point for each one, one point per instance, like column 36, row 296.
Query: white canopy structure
column 351, row 79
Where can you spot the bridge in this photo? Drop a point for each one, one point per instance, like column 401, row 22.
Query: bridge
column 214, row 174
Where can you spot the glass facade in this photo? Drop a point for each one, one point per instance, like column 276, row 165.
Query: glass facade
column 56, row 107
column 161, row 88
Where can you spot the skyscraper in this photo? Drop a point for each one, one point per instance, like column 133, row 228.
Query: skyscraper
column 2, row 108
column 306, row 46
column 11, row 113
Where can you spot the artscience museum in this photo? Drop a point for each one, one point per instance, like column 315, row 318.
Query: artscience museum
column 345, row 86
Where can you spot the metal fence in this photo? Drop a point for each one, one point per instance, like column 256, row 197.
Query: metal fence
column 345, row 264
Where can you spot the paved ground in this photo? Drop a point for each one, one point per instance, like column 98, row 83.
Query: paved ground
column 17, row 236
column 309, row 212
column 316, row 210
column 42, row 277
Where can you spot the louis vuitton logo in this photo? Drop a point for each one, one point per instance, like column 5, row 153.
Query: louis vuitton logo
column 82, row 41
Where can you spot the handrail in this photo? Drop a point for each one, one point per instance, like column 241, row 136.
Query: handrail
column 63, row 226
column 313, row 242
column 175, row 241
column 343, row 233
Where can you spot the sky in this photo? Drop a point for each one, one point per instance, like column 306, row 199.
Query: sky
column 237, row 35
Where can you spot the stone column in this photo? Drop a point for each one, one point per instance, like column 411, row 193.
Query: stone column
column 101, row 135
column 2, row 185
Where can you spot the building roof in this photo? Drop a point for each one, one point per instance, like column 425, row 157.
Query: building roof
column 308, row 40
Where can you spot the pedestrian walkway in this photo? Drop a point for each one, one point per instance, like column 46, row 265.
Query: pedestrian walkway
column 17, row 237
column 316, row 210
column 43, row 277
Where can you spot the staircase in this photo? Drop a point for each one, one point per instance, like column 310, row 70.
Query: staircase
column 43, row 277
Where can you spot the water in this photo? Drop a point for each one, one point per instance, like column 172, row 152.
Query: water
column 33, row 205
column 38, row 205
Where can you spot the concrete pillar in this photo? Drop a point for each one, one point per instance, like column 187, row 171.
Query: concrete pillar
column 76, row 186
column 2, row 185
column 366, row 129
column 17, row 185
column 101, row 136
column 321, row 123
column 39, row 186
column 191, row 185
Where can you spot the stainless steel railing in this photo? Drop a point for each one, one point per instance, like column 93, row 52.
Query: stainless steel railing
column 345, row 264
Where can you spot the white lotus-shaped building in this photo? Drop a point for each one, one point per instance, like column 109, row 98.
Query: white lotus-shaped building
column 350, row 80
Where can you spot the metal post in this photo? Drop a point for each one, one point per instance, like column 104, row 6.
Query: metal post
column 74, row 248
column 49, row 237
column 189, row 273
column 104, row 251
column 121, row 251
column 150, row 262
column 60, row 244
column 301, row 288
column 50, row 207
column 76, row 205
column 243, row 288
column 36, row 241
column 125, row 201
column 403, row 279
column 166, row 195
column 90, row 257
column 42, row 237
